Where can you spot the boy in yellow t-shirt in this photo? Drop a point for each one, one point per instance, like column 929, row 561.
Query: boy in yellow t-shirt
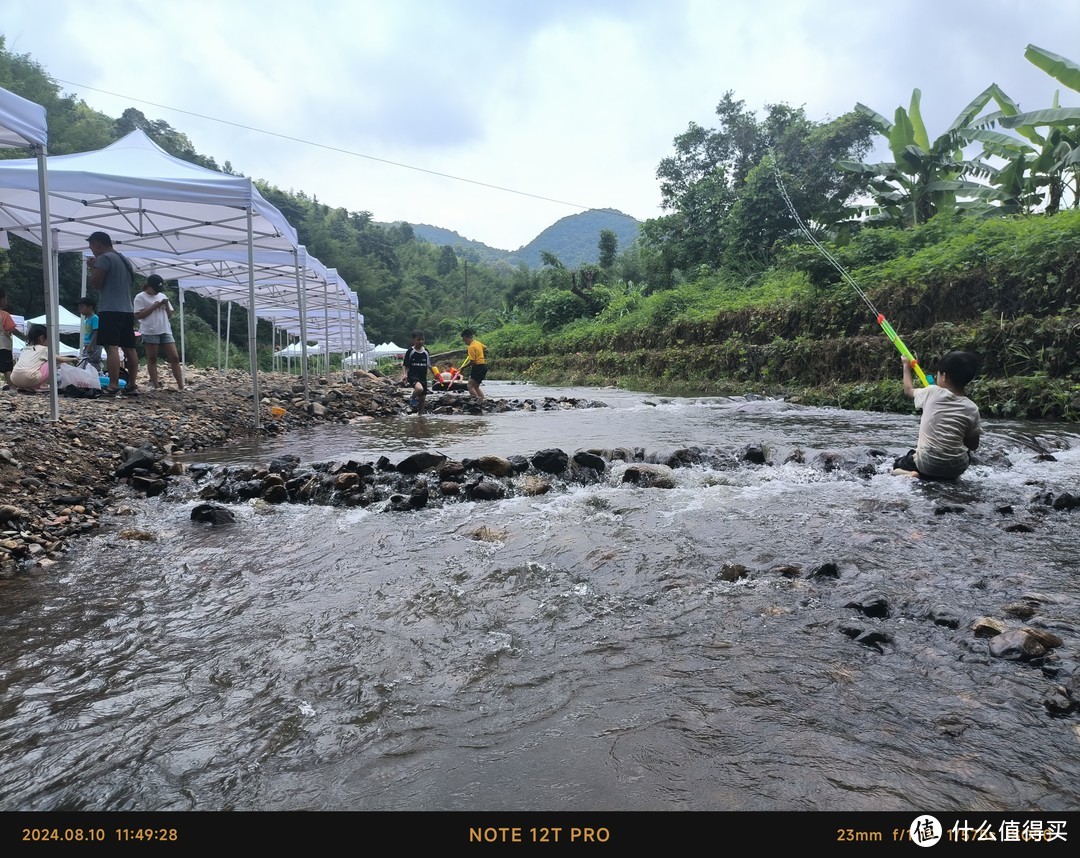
column 476, row 361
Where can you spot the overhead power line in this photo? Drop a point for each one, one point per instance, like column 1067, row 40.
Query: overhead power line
column 339, row 150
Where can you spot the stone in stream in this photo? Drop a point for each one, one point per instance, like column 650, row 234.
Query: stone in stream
column 212, row 514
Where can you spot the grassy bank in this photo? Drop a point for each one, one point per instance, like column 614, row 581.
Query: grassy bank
column 1005, row 289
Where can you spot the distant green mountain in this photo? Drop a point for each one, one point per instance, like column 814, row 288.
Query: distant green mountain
column 574, row 240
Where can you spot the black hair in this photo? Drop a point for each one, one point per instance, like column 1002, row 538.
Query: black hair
column 35, row 333
column 99, row 238
column 87, row 300
column 960, row 367
column 417, row 333
column 468, row 332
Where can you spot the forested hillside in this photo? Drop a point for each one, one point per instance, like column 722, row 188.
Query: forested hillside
column 573, row 239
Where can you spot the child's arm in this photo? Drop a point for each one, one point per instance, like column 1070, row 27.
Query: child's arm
column 909, row 387
column 971, row 439
column 11, row 328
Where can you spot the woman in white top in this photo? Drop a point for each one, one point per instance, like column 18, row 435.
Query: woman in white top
column 153, row 310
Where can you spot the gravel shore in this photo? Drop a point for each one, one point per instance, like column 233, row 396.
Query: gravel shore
column 59, row 479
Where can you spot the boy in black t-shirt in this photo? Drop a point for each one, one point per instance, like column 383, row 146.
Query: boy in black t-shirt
column 415, row 368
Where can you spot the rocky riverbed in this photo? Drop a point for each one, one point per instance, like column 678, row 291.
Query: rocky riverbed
column 59, row 479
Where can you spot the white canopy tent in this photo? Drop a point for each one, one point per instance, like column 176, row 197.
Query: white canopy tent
column 390, row 349
column 149, row 203
column 66, row 321
column 23, row 124
column 63, row 350
column 302, row 291
column 296, row 350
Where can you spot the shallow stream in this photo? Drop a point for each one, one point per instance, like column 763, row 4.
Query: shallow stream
column 580, row 650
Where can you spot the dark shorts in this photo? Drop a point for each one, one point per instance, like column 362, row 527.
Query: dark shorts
column 478, row 372
column 7, row 361
column 116, row 329
column 412, row 382
column 907, row 463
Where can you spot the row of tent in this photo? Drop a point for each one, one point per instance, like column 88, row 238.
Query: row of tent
column 213, row 233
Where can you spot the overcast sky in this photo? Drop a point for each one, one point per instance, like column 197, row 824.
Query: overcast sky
column 566, row 104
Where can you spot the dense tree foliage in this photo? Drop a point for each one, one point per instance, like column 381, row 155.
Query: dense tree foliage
column 726, row 210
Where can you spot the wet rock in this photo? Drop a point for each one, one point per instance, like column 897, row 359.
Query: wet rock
column 484, row 490
column 1016, row 645
column 1058, row 702
column 872, row 638
column 650, row 476
column 453, row 471
column 785, row 570
column 872, row 605
column 949, row 509
column 827, row 462
column 825, row 570
column 532, row 486
column 418, row 462
column 419, row 496
column 212, row 514
column 283, row 464
column 149, row 486
column 552, row 461
column 683, row 457
column 732, row 572
column 12, row 513
column 1066, row 500
column 987, row 627
column 590, row 460
column 135, row 459
column 520, row 463
column 946, row 617
column 1047, row 639
column 347, row 480
column 495, row 466
column 1019, row 610
column 755, row 454
column 276, row 493
column 138, row 535
column 450, row 489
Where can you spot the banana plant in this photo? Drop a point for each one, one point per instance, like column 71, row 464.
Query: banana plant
column 1060, row 165
column 926, row 177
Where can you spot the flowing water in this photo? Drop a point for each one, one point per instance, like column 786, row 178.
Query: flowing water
column 580, row 650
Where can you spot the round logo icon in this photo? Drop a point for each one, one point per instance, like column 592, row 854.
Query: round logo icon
column 925, row 831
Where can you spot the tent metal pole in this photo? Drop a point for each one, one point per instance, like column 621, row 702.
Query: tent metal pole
column 183, row 339
column 49, row 269
column 253, row 352
column 219, row 332
column 301, row 294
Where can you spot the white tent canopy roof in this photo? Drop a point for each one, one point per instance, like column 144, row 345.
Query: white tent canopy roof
column 144, row 198
column 295, row 350
column 229, row 267
column 68, row 322
column 388, row 350
column 22, row 122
